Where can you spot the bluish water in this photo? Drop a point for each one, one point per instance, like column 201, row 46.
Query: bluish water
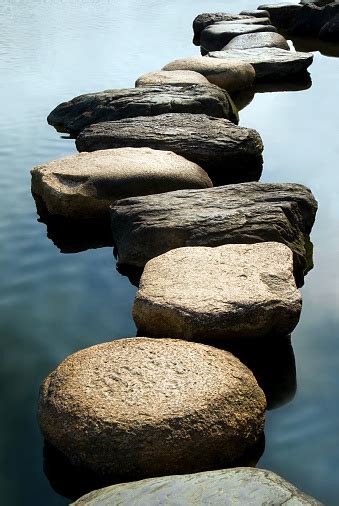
column 53, row 304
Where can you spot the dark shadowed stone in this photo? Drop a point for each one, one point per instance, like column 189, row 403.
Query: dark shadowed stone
column 145, row 227
column 311, row 18
column 263, row 39
column 256, row 14
column 236, row 487
column 330, row 30
column 111, row 105
column 215, row 37
column 209, row 18
column 270, row 62
column 283, row 14
column 227, row 152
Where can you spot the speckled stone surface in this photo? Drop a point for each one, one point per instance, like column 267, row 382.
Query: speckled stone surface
column 262, row 39
column 231, row 76
column 173, row 77
column 136, row 408
column 215, row 37
column 232, row 291
column 241, row 486
column 84, row 185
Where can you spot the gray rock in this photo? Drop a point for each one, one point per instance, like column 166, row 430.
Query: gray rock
column 311, row 19
column 237, row 487
column 84, row 185
column 137, row 408
column 330, row 30
column 172, row 77
column 215, row 37
column 253, row 20
column 269, row 63
column 282, row 15
column 227, row 152
column 263, row 39
column 236, row 291
column 255, row 13
column 111, row 105
column 145, row 227
column 209, row 18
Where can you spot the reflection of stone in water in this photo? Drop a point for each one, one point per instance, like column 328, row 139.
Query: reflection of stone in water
column 272, row 362
column 73, row 236
column 312, row 44
column 74, row 481
column 243, row 98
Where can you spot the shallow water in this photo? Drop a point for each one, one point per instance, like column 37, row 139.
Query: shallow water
column 53, row 303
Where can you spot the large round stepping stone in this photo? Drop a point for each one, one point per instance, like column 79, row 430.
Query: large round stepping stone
column 145, row 227
column 209, row 18
column 84, row 185
column 263, row 39
column 215, row 37
column 235, row 487
column 174, row 78
column 232, row 291
column 231, row 76
column 282, row 15
column 224, row 150
column 270, row 62
column 140, row 407
column 113, row 105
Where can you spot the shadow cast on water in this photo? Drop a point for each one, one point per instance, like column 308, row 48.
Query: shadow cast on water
column 73, row 481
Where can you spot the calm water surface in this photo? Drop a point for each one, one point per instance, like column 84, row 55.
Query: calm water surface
column 54, row 304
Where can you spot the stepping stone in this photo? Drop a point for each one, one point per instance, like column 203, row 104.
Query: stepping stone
column 255, row 13
column 264, row 39
column 84, row 185
column 111, row 105
column 137, row 408
column 310, row 20
column 229, row 292
column 145, row 227
column 209, row 18
column 269, row 63
column 215, row 37
column 174, row 78
column 231, row 76
column 236, row 487
column 282, row 15
column 224, row 150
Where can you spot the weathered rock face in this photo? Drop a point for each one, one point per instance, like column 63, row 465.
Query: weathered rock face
column 209, row 18
column 228, row 292
column 111, row 105
column 255, row 13
column 237, row 486
column 282, row 14
column 269, row 63
column 145, row 227
column 263, row 39
column 330, row 30
column 224, row 150
column 174, row 78
column 215, row 37
column 231, row 76
column 140, row 407
column 84, row 185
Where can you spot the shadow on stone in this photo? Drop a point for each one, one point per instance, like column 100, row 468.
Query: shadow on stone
column 74, row 481
column 272, row 362
column 74, row 236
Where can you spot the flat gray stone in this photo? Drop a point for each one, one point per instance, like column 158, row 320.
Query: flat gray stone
column 215, row 37
column 239, row 486
column 255, row 13
column 137, row 408
column 236, row 291
column 145, row 227
column 227, row 152
column 172, row 77
column 269, row 63
column 262, row 39
column 209, row 18
column 282, row 15
column 112, row 105
column 84, row 185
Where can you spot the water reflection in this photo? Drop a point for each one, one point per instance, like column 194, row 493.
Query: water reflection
column 73, row 236
column 73, row 481
column 312, row 44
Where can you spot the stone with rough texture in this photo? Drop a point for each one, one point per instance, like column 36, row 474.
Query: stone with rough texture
column 228, row 292
column 282, row 15
column 145, row 227
column 224, row 150
column 111, row 105
column 215, row 37
column 269, row 63
column 239, row 486
column 174, row 78
column 263, row 39
column 255, row 13
column 84, row 185
column 209, row 18
column 231, row 76
column 137, row 408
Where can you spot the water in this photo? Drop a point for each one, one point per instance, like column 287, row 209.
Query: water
column 54, row 304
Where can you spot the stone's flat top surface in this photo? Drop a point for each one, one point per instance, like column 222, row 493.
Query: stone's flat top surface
column 262, row 39
column 84, row 185
column 173, row 77
column 246, row 21
column 236, row 290
column 216, row 36
column 111, row 105
column 208, row 18
column 236, row 487
column 255, row 13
